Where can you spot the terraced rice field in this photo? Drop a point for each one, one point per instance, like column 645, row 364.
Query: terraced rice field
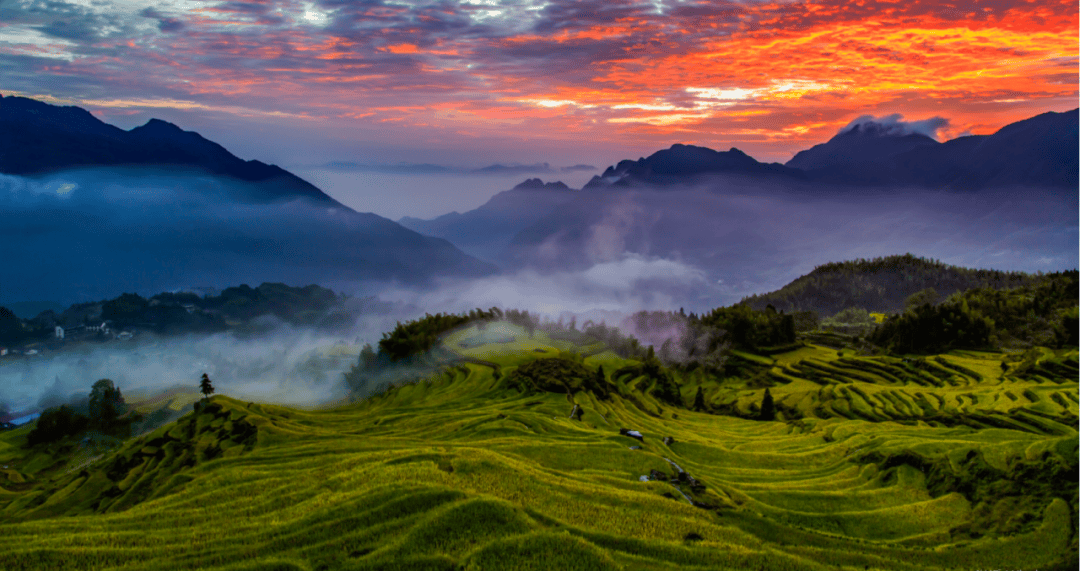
column 964, row 389
column 875, row 463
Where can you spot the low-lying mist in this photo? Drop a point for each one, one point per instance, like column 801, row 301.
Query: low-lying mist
column 745, row 239
column 297, row 367
column 601, row 257
column 89, row 235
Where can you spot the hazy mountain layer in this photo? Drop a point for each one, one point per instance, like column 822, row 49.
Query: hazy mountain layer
column 86, row 235
column 744, row 226
column 682, row 163
column 486, row 231
column 157, row 208
column 745, row 237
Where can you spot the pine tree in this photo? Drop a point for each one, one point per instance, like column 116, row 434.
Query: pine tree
column 205, row 386
column 699, row 400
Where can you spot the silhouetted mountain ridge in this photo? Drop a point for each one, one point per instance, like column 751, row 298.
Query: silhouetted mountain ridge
column 681, row 162
column 1040, row 151
column 39, row 138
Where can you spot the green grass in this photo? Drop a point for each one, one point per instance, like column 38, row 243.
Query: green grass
column 889, row 465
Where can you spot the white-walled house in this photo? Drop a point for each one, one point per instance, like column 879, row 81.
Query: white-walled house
column 103, row 328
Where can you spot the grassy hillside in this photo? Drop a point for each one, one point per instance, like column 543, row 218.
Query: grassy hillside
column 512, row 458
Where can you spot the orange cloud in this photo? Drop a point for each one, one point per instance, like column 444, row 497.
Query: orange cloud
column 771, row 77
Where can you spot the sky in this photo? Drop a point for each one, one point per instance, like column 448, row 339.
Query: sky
column 474, row 82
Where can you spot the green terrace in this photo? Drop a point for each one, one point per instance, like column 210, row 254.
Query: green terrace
column 512, row 449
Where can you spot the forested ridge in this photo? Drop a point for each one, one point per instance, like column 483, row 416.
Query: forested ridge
column 1044, row 313
column 881, row 285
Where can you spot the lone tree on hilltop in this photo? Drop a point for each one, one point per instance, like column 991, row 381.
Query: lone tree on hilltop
column 768, row 408
column 205, row 386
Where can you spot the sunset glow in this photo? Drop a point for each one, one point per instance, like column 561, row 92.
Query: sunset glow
column 769, row 77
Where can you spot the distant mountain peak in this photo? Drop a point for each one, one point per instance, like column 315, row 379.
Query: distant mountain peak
column 155, row 124
column 680, row 161
column 537, row 184
column 874, row 130
column 893, row 126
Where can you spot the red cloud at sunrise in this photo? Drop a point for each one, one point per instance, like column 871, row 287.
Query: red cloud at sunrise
column 769, row 77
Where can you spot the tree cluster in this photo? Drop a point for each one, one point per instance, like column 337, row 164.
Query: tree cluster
column 750, row 329
column 522, row 319
column 935, row 329
column 1040, row 314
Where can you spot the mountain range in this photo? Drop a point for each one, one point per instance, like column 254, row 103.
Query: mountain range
column 981, row 200
column 867, row 191
column 1038, row 152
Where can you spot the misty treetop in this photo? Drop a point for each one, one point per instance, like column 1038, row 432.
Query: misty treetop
column 420, row 335
column 106, row 403
column 105, row 411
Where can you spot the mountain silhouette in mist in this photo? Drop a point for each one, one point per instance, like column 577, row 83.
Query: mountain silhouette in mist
column 42, row 138
column 88, row 211
column 680, row 163
column 487, row 230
